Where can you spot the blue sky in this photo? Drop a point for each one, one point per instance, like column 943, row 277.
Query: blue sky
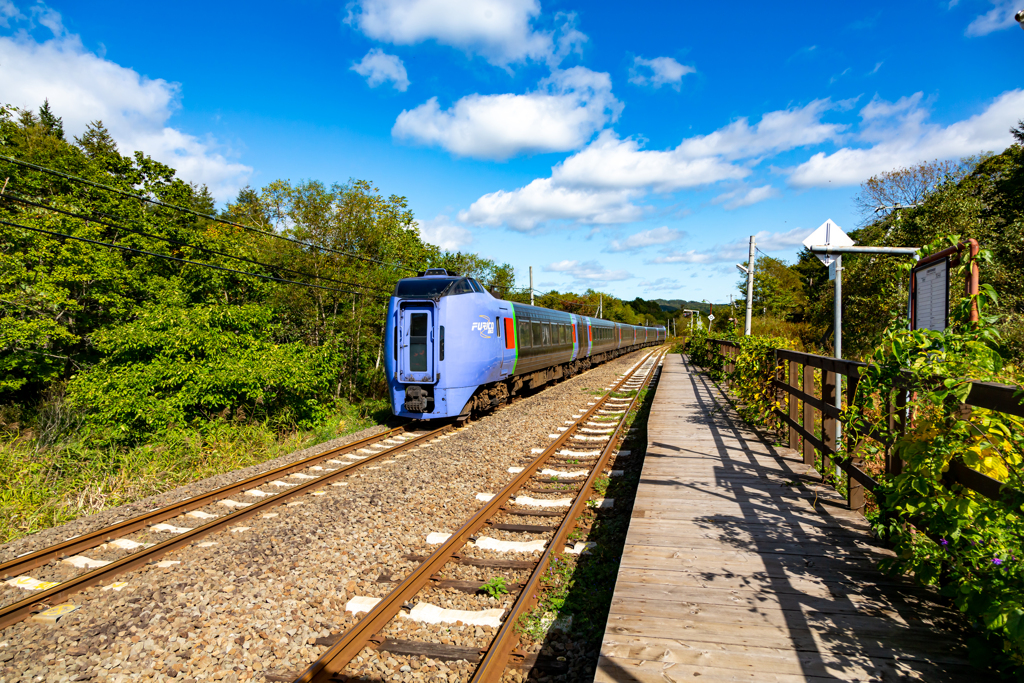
column 629, row 150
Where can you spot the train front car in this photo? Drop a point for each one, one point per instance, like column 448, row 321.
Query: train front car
column 444, row 337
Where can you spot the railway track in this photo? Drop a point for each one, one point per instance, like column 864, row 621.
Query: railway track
column 299, row 478
column 591, row 439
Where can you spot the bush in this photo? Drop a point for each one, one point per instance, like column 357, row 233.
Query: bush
column 178, row 365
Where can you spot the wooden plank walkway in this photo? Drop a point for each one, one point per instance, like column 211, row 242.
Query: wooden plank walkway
column 740, row 566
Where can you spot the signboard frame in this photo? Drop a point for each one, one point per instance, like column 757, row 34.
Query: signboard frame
column 955, row 257
column 915, row 291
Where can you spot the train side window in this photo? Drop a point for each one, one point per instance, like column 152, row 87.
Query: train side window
column 561, row 335
column 545, row 333
column 497, row 326
column 524, row 334
column 440, row 353
column 538, row 339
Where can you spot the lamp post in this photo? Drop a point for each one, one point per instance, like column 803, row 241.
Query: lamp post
column 1019, row 16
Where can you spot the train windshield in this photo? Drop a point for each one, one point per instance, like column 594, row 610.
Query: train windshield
column 427, row 286
column 430, row 287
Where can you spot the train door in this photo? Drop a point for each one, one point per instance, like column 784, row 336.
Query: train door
column 508, row 344
column 416, row 344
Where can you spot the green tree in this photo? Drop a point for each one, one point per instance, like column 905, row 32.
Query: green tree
column 96, row 141
column 51, row 123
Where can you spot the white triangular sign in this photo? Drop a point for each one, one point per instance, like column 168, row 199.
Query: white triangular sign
column 831, row 234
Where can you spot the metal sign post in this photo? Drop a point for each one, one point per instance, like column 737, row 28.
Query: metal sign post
column 831, row 235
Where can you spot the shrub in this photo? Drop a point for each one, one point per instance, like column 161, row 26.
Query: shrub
column 177, row 365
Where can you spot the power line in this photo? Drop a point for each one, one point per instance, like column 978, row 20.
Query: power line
column 14, row 197
column 157, row 202
column 109, row 245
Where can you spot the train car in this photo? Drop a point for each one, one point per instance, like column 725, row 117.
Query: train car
column 453, row 348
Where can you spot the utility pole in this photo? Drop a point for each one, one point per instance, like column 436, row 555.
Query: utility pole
column 600, row 305
column 750, row 287
column 531, row 285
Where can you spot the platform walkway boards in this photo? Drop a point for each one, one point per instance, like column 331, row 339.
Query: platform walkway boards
column 732, row 573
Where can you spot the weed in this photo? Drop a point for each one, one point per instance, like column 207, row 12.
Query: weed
column 495, row 587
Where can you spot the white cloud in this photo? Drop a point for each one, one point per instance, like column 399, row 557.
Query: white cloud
column 661, row 284
column 378, row 67
column 541, row 201
column 658, row 72
column 999, row 17
column 611, row 163
column 600, row 183
column 83, row 87
column 738, row 250
column 588, row 272
column 8, row 11
column 745, row 197
column 647, row 238
column 445, row 234
column 565, row 112
column 501, row 31
column 777, row 131
column 901, row 137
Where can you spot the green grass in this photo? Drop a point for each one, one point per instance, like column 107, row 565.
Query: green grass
column 45, row 487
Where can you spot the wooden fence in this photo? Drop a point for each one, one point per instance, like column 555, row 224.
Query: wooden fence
column 812, row 419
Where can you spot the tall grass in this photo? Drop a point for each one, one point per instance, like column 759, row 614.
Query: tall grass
column 43, row 484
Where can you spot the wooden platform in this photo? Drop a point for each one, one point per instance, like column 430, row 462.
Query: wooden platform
column 739, row 566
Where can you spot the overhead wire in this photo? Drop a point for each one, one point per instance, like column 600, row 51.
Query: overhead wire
column 157, row 202
column 110, row 245
column 10, row 196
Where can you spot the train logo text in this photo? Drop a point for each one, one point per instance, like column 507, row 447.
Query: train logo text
column 486, row 328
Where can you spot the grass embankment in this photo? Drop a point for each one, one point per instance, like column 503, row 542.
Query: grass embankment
column 42, row 487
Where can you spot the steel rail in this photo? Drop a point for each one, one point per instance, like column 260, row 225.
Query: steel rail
column 15, row 612
column 493, row 664
column 20, row 565
column 365, row 631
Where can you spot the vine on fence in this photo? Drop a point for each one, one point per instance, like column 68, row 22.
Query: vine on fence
column 969, row 545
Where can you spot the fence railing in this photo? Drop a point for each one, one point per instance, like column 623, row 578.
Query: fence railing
column 812, row 418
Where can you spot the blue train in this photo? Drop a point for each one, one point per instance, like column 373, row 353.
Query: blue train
column 454, row 349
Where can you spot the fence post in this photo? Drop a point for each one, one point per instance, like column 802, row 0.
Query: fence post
column 808, row 414
column 794, row 383
column 828, row 424
column 854, row 489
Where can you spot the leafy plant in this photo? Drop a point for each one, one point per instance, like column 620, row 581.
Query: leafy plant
column 495, row 587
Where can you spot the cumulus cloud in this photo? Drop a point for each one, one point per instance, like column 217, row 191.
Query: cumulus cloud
column 82, row 87
column 587, row 272
column 565, row 112
column 501, row 31
column 541, row 201
column 999, row 17
column 600, row 183
column 738, row 250
column 612, row 163
column 899, row 135
column 444, row 233
column 647, row 238
column 658, row 72
column 378, row 67
column 745, row 196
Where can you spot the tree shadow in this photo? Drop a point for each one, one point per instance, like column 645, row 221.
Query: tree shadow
column 783, row 580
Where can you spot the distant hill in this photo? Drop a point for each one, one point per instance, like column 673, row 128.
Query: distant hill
column 671, row 305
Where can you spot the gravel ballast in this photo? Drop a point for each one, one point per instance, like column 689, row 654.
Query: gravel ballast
column 253, row 599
